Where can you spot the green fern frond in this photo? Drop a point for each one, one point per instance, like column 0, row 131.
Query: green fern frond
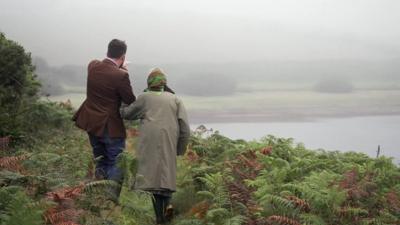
column 378, row 221
column 236, row 220
column 218, row 214
column 100, row 185
column 264, row 191
column 351, row 212
column 137, row 213
column 47, row 156
column 386, row 216
column 318, row 190
column 215, row 189
column 189, row 222
column 279, row 202
column 12, row 178
column 137, row 206
column 311, row 219
column 293, row 188
column 128, row 165
column 206, row 194
column 7, row 195
column 21, row 210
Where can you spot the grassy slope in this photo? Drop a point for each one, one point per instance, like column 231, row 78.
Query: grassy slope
column 220, row 181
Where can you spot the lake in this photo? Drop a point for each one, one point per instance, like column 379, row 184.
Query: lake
column 360, row 134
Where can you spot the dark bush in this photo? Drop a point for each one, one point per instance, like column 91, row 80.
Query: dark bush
column 21, row 112
column 18, row 85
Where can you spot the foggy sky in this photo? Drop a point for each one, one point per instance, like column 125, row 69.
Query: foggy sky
column 173, row 31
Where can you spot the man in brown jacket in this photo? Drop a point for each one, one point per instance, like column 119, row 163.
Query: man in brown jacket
column 107, row 86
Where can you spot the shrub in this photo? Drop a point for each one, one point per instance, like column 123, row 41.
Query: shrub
column 18, row 85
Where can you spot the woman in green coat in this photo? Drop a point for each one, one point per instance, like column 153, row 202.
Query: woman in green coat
column 163, row 134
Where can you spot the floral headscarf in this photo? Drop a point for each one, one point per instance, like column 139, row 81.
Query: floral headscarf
column 156, row 79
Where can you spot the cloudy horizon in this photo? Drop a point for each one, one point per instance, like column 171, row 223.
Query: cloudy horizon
column 74, row 32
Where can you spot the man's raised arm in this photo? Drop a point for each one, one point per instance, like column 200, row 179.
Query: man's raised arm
column 125, row 90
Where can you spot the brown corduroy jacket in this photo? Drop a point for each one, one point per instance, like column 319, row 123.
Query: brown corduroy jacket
column 107, row 87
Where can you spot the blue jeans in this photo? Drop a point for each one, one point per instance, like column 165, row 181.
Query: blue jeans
column 106, row 151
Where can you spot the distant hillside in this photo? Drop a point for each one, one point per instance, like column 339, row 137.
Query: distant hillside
column 224, row 78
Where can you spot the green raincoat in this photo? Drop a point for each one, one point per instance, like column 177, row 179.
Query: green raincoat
column 163, row 134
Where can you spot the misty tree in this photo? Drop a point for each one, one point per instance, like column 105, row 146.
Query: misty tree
column 54, row 78
column 41, row 65
column 50, row 84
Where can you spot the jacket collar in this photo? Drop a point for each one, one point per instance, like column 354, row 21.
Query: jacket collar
column 110, row 61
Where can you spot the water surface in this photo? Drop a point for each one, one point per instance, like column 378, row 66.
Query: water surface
column 360, row 134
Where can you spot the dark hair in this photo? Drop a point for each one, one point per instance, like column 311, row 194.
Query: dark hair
column 116, row 48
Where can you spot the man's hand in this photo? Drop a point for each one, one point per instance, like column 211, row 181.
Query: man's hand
column 123, row 67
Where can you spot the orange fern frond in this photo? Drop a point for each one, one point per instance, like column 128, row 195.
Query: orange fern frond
column 254, row 164
column 132, row 132
column 54, row 216
column 4, row 142
column 67, row 223
column 90, row 170
column 282, row 220
column 266, row 150
column 350, row 179
column 66, row 193
column 200, row 209
column 66, row 105
column 191, row 156
column 13, row 163
column 393, row 200
column 299, row 203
